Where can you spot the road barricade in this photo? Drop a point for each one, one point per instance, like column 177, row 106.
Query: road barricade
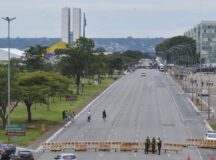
column 118, row 146
column 201, row 143
column 126, row 147
column 56, row 146
column 104, row 146
column 80, row 147
column 172, row 147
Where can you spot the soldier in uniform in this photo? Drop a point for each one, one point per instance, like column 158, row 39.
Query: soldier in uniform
column 159, row 144
column 147, row 143
column 153, row 144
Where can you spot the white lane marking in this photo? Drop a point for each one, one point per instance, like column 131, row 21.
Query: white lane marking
column 177, row 107
column 199, row 154
column 195, row 108
column 208, row 126
column 83, row 110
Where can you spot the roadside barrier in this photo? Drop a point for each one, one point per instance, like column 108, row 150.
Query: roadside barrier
column 201, row 143
column 117, row 146
column 109, row 146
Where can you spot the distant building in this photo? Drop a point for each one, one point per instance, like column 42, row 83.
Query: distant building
column 76, row 24
column 205, row 36
column 14, row 53
column 66, row 25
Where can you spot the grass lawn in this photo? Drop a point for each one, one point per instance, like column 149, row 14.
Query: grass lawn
column 41, row 115
column 213, row 126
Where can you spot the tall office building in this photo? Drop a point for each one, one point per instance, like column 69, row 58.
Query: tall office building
column 76, row 24
column 66, row 25
column 205, row 36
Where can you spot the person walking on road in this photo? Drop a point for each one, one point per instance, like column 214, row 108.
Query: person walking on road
column 147, row 143
column 153, row 144
column 89, row 116
column 104, row 115
column 159, row 144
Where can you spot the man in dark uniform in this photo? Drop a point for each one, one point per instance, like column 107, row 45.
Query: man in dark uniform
column 153, row 144
column 147, row 143
column 159, row 144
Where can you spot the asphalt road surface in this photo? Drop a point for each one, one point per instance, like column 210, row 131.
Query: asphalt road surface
column 138, row 107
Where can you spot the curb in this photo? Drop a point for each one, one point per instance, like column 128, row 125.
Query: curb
column 208, row 126
column 194, row 106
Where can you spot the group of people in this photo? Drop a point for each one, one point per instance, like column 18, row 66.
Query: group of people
column 104, row 115
column 68, row 115
column 153, row 144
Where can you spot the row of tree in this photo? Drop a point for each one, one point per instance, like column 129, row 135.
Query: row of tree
column 180, row 50
column 34, row 79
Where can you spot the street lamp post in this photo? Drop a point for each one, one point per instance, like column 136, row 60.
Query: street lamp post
column 8, row 19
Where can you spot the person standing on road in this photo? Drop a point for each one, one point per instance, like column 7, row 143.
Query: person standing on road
column 147, row 143
column 159, row 144
column 153, row 144
column 89, row 116
column 104, row 115
column 72, row 116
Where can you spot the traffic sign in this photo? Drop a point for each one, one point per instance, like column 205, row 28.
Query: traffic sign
column 15, row 127
column 14, row 133
column 15, row 130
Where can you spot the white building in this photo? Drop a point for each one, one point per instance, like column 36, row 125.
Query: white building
column 66, row 25
column 205, row 36
column 14, row 53
column 76, row 24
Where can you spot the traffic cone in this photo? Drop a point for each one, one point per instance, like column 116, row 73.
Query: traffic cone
column 189, row 158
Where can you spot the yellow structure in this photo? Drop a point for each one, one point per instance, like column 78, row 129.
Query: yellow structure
column 58, row 45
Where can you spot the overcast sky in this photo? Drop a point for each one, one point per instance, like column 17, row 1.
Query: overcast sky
column 107, row 18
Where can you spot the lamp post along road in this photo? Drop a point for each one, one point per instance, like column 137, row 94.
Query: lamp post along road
column 9, row 98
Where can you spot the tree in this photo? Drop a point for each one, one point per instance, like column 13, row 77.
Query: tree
column 35, row 58
column 181, row 47
column 4, row 95
column 36, row 86
column 77, row 59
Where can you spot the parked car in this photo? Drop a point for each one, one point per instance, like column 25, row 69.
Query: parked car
column 203, row 93
column 23, row 155
column 3, row 154
column 7, row 149
column 210, row 135
column 66, row 156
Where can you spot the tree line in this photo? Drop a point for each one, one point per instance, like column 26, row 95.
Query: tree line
column 180, row 50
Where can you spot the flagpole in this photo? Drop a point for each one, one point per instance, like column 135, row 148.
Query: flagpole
column 84, row 25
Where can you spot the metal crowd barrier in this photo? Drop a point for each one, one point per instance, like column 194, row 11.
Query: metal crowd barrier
column 117, row 146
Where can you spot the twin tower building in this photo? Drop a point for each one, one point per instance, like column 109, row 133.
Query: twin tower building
column 69, row 36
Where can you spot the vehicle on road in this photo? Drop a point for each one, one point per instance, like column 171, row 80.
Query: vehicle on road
column 7, row 149
column 143, row 74
column 22, row 155
column 3, row 154
column 161, row 69
column 203, row 93
column 210, row 135
column 66, row 156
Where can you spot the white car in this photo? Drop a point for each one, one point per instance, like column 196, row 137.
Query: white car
column 66, row 156
column 210, row 135
column 203, row 93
